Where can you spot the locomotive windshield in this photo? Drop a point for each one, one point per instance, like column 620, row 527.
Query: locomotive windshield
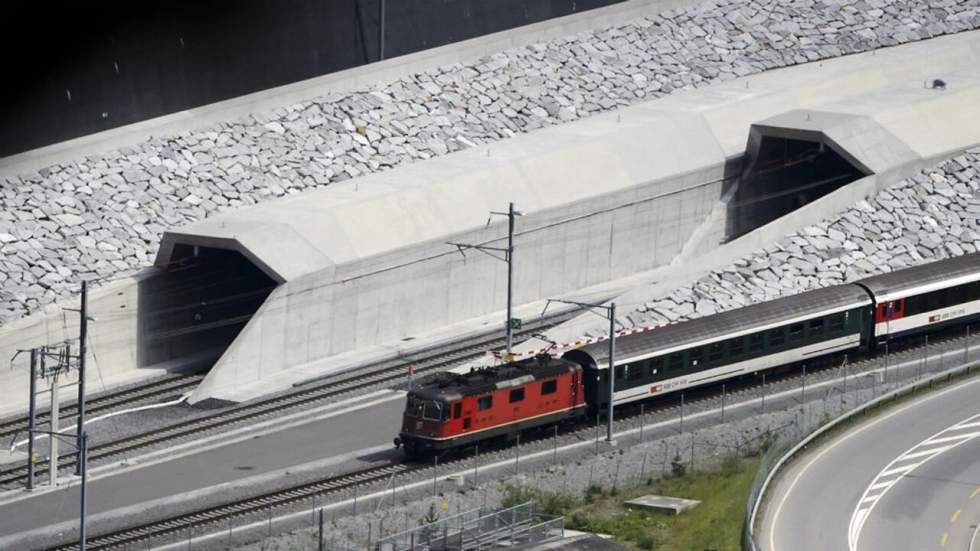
column 435, row 411
column 413, row 407
column 427, row 409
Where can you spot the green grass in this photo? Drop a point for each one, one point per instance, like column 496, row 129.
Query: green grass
column 714, row 524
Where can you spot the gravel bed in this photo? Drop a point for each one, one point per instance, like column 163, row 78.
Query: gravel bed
column 103, row 215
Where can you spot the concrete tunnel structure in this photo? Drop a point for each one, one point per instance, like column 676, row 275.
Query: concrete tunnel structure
column 360, row 271
column 366, row 263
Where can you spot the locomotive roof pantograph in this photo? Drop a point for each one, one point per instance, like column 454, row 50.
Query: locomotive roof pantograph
column 741, row 321
column 924, row 278
column 447, row 386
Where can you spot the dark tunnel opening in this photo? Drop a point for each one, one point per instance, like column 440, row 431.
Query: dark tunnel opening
column 786, row 175
column 192, row 311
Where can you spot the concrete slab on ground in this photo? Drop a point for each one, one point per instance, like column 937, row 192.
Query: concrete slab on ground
column 663, row 504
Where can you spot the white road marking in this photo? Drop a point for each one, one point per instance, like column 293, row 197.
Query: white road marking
column 796, row 479
column 924, row 451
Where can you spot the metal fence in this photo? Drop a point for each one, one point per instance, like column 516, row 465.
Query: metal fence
column 479, row 529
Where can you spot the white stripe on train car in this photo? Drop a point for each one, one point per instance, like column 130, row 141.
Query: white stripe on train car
column 737, row 369
column 742, row 333
column 925, row 319
column 903, row 292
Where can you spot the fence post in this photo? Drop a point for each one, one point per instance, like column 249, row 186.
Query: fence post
column 681, row 427
column 723, row 390
column 616, row 476
column 763, row 392
column 554, row 457
column 966, row 351
column 803, row 387
column 517, row 455
column 435, row 473
column 692, row 452
column 642, row 420
column 320, row 534
column 597, row 432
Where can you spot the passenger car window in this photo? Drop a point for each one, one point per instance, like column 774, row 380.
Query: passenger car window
column 695, row 356
column 517, row 395
column 776, row 337
column 676, row 362
column 735, row 346
column 836, row 323
column 549, row 387
column 816, row 326
column 796, row 332
column 634, row 371
column 656, row 365
column 716, row 351
column 484, row 402
column 755, row 342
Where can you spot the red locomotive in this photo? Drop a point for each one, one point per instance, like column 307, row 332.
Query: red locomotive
column 449, row 410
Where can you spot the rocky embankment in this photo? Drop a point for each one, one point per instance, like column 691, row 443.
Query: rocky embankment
column 103, row 215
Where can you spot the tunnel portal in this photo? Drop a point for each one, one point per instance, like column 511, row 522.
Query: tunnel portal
column 194, row 308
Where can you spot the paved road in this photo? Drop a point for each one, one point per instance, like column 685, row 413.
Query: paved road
column 909, row 480
column 335, row 436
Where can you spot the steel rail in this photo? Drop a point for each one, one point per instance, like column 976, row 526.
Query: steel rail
column 112, row 400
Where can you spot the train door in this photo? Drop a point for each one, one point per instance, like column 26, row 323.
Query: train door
column 588, row 377
column 887, row 313
column 574, row 394
column 466, row 413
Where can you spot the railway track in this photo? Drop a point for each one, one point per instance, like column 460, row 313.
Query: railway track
column 277, row 405
column 222, row 513
column 108, row 402
column 210, row 517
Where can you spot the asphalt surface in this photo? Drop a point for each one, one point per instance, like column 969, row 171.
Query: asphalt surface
column 812, row 505
column 343, row 434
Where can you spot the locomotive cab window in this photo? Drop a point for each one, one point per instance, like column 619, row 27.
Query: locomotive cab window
column 457, row 410
column 549, row 387
column 484, row 402
column 413, row 407
column 432, row 411
column 517, row 395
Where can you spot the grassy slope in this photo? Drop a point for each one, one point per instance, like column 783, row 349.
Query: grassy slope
column 714, row 524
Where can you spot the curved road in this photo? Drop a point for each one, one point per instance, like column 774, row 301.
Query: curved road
column 908, row 479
